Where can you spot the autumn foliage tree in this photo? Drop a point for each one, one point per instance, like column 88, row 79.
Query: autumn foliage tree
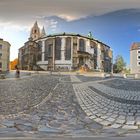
column 13, row 64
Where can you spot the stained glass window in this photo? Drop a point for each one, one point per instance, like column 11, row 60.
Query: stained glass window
column 68, row 49
column 58, row 48
column 81, row 45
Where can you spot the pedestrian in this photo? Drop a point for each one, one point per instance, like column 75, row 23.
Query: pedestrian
column 17, row 73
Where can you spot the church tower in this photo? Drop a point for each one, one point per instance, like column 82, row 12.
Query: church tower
column 35, row 32
column 43, row 33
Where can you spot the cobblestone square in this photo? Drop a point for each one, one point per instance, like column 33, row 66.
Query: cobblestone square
column 69, row 105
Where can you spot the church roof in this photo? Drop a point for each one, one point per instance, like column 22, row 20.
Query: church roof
column 135, row 46
column 73, row 34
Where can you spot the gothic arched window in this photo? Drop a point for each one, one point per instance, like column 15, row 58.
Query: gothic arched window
column 68, row 49
column 81, row 45
column 48, row 48
column 39, row 50
column 58, row 48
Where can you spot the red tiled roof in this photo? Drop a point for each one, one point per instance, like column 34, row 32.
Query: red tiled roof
column 135, row 46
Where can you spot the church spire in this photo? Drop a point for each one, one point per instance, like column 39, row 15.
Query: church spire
column 36, row 24
column 35, row 31
column 43, row 33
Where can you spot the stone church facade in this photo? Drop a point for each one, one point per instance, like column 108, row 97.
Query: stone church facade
column 64, row 52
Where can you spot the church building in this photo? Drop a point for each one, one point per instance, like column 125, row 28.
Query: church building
column 64, row 52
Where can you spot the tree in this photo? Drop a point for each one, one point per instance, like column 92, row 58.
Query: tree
column 119, row 64
column 13, row 64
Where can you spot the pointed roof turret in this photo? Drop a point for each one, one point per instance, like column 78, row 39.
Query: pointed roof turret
column 43, row 33
column 36, row 24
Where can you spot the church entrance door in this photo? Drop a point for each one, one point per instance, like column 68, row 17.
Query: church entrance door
column 81, row 61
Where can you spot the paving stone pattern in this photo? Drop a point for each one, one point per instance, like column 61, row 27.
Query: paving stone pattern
column 61, row 114
column 124, row 84
column 115, row 108
column 75, row 79
column 22, row 94
column 88, row 78
column 67, row 105
column 13, row 74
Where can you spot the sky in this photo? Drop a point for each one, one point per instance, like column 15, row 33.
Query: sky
column 113, row 22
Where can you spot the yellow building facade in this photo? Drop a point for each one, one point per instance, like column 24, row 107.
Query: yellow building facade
column 4, row 55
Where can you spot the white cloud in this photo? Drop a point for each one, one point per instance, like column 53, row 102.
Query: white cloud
column 12, row 26
column 52, row 24
column 26, row 12
column 68, row 17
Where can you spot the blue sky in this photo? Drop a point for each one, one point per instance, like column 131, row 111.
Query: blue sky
column 118, row 29
column 116, row 23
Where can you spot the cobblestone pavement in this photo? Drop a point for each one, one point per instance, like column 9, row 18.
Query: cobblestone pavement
column 22, row 94
column 65, row 105
column 110, row 106
column 12, row 74
column 123, row 84
column 51, row 108
column 83, row 78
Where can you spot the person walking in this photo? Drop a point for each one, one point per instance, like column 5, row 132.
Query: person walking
column 17, row 72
